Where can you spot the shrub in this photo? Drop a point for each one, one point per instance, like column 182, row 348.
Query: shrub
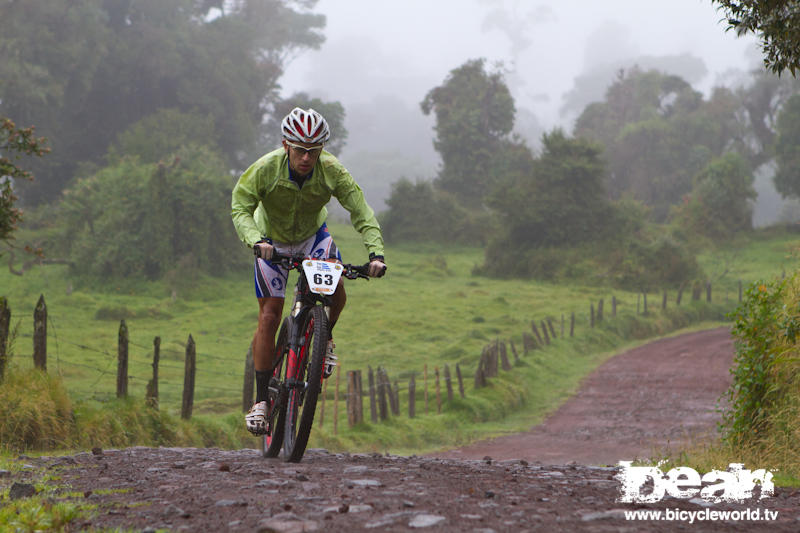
column 418, row 212
column 135, row 219
column 766, row 369
column 35, row 411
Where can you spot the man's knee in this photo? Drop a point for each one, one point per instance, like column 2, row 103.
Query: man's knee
column 269, row 312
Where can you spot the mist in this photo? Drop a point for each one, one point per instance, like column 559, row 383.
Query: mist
column 379, row 60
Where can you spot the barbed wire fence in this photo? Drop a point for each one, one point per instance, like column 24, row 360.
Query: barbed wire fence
column 382, row 393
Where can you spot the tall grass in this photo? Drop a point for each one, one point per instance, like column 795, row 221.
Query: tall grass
column 36, row 413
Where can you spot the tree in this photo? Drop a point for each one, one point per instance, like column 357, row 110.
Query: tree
column 14, row 142
column 85, row 71
column 787, row 149
column 719, row 205
column 658, row 133
column 474, row 114
column 777, row 24
column 559, row 201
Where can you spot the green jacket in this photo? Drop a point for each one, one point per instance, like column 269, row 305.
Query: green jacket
column 266, row 203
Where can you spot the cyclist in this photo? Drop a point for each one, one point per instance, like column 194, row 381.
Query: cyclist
column 279, row 204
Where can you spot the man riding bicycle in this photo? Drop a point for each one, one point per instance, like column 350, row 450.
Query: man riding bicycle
column 279, row 204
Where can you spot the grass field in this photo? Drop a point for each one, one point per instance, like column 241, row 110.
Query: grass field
column 429, row 310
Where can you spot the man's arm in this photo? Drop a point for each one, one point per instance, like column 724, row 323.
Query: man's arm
column 244, row 200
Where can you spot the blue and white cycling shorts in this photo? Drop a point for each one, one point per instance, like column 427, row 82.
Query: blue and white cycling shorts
column 271, row 279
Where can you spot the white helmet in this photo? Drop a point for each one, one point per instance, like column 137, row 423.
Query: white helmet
column 305, row 126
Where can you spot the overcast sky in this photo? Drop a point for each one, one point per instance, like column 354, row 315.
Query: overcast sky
column 403, row 49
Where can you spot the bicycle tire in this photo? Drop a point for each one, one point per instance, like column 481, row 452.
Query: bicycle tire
column 271, row 444
column 298, row 429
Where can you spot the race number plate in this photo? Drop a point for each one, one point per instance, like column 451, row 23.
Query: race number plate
column 322, row 276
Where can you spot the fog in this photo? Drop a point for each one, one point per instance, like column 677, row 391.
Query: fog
column 380, row 58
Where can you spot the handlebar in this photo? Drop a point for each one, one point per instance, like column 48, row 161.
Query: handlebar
column 294, row 262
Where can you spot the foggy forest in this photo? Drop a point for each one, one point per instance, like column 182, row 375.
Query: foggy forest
column 148, row 111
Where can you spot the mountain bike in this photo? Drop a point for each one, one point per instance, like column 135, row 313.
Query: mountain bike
column 301, row 344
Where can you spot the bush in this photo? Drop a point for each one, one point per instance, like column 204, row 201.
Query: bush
column 643, row 260
column 763, row 396
column 141, row 220
column 35, row 411
column 418, row 212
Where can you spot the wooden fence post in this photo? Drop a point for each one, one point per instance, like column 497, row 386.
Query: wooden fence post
column 152, row 386
column 708, row 291
column 373, row 410
column 591, row 315
column 460, row 381
column 740, row 291
column 249, row 380
column 5, row 324
column 40, row 334
column 680, row 295
column 562, row 325
column 425, row 380
column 480, row 372
column 190, row 369
column 382, row 405
column 644, row 300
column 351, row 398
column 393, row 407
column 449, row 383
column 696, row 290
column 664, row 301
column 552, row 330
column 412, row 390
column 536, row 332
column 613, row 306
column 638, row 302
column 438, row 396
column 572, row 324
column 359, row 397
column 503, row 359
column 546, row 334
column 122, row 360
column 336, row 403
column 600, row 310
column 528, row 343
column 396, row 396
column 514, row 351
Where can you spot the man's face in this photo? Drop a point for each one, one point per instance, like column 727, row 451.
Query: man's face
column 302, row 156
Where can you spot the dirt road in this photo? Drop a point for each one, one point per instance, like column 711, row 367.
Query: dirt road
column 635, row 405
column 653, row 394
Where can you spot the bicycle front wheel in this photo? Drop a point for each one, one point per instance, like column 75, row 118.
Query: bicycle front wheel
column 308, row 385
column 276, row 399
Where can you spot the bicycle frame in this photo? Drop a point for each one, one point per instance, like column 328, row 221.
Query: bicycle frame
column 296, row 344
column 296, row 349
column 302, row 342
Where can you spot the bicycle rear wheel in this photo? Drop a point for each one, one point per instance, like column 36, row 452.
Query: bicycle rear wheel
column 276, row 412
column 312, row 358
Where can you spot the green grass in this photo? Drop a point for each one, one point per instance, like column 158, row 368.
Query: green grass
column 428, row 311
